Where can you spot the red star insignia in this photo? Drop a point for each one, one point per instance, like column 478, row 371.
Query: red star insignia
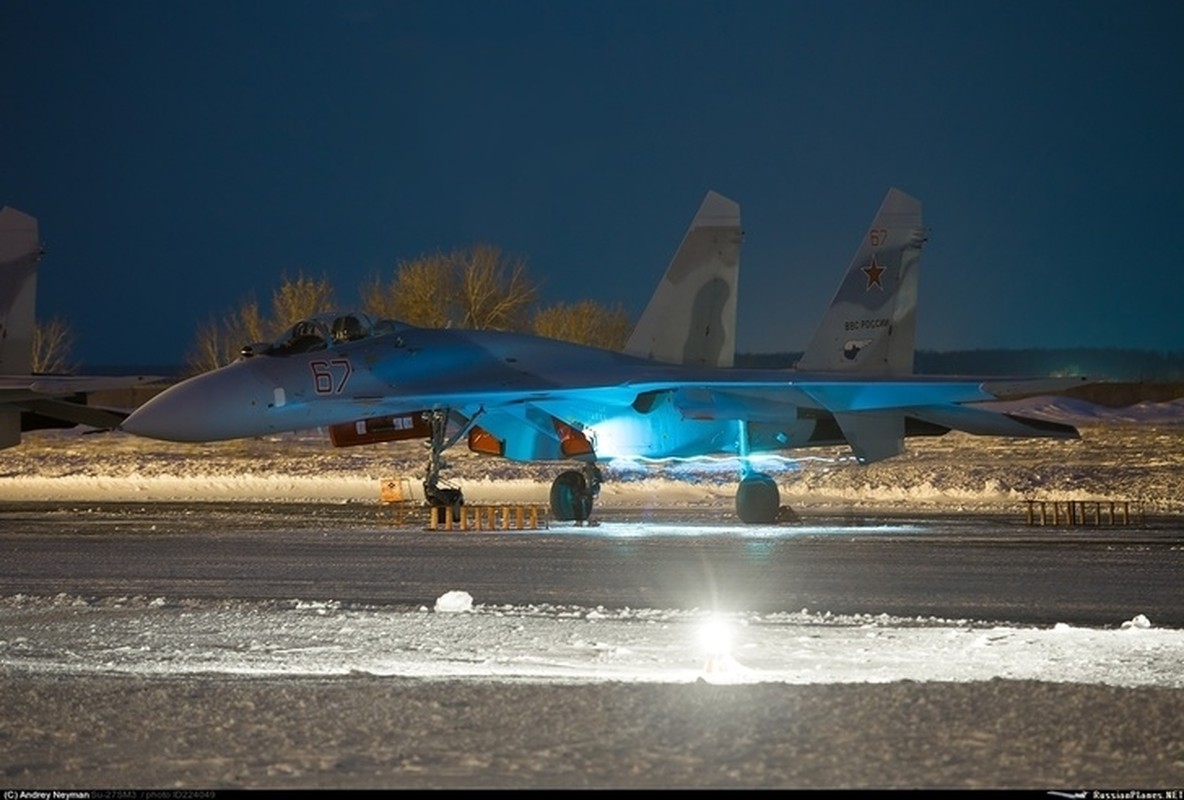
column 874, row 272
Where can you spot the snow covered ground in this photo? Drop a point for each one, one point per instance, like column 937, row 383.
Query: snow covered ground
column 460, row 639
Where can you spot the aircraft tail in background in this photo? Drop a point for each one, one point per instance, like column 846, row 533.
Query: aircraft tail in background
column 871, row 325
column 28, row 401
column 20, row 252
column 691, row 318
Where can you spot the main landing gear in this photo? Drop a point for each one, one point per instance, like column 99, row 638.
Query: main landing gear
column 757, row 499
column 573, row 492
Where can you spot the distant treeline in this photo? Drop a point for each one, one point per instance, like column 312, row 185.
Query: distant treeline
column 1107, row 364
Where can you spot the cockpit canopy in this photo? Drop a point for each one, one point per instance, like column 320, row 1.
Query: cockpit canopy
column 323, row 331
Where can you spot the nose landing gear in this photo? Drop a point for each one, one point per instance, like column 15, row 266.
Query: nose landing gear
column 442, row 499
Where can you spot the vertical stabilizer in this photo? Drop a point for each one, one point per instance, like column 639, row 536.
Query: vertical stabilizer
column 691, row 319
column 20, row 250
column 870, row 327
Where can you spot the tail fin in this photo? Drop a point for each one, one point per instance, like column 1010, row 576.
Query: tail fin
column 20, row 250
column 691, row 319
column 871, row 325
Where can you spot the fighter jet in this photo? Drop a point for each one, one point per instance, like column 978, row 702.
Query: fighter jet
column 29, row 401
column 672, row 394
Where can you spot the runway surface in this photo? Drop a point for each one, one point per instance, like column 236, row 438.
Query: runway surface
column 265, row 645
column 952, row 566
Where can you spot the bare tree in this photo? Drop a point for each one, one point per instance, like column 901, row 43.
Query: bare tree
column 495, row 291
column 584, row 322
column 220, row 341
column 209, row 350
column 299, row 299
column 248, row 326
column 478, row 287
column 422, row 293
column 52, row 343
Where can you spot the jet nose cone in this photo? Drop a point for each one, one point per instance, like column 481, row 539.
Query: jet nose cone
column 227, row 403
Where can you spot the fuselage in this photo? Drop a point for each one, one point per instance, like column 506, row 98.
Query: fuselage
column 517, row 387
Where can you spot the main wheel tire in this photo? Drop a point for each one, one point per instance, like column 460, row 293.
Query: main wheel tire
column 570, row 498
column 757, row 499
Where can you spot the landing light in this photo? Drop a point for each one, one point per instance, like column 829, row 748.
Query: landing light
column 715, row 638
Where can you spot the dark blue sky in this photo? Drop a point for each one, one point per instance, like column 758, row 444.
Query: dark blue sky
column 182, row 156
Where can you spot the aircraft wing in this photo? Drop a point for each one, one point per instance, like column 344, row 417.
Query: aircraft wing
column 18, row 387
column 541, row 422
column 716, row 398
column 29, row 402
column 872, row 417
column 72, row 413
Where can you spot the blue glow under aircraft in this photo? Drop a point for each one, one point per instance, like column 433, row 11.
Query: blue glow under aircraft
column 673, row 392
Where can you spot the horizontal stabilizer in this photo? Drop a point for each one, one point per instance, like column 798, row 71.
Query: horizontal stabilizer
column 1018, row 389
column 981, row 422
column 72, row 384
column 77, row 413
